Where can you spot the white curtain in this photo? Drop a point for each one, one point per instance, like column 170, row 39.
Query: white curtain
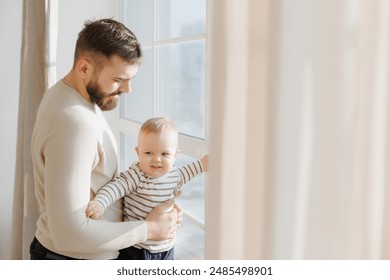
column 239, row 81
column 37, row 73
column 299, row 132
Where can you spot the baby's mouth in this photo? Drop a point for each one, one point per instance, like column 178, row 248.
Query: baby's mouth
column 155, row 166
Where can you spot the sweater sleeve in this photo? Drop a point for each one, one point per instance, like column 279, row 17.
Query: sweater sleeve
column 69, row 155
column 189, row 172
column 119, row 187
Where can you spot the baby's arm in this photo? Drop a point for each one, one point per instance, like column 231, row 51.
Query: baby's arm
column 116, row 189
column 193, row 169
column 94, row 210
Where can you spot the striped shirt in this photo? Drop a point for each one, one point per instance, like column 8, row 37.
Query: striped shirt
column 142, row 193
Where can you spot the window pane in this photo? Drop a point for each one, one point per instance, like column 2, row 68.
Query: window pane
column 139, row 18
column 138, row 106
column 181, row 86
column 177, row 18
column 192, row 198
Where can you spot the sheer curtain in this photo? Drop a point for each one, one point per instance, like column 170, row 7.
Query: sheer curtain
column 299, row 130
column 239, row 41
column 37, row 73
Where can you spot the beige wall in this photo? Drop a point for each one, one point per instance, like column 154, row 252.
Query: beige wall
column 10, row 34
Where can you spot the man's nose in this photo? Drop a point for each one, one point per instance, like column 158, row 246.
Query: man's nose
column 125, row 87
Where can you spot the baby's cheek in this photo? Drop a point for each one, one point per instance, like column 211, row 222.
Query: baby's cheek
column 170, row 165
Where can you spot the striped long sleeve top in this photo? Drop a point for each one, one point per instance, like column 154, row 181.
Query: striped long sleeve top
column 142, row 193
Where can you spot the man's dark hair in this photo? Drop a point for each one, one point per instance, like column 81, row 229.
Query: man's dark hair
column 108, row 37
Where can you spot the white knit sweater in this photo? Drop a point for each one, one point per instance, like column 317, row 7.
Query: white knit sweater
column 74, row 155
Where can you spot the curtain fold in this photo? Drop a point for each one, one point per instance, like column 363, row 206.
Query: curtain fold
column 37, row 70
column 238, row 37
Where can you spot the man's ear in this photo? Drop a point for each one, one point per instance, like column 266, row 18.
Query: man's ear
column 82, row 67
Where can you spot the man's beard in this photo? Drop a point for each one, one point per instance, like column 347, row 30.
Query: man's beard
column 104, row 102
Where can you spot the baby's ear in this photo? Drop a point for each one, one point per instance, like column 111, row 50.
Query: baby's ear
column 137, row 150
column 177, row 152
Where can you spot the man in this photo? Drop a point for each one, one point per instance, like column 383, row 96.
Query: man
column 74, row 152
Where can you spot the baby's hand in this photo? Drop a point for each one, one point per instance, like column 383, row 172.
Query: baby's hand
column 94, row 210
column 205, row 163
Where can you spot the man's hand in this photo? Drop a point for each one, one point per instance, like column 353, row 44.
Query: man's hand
column 179, row 214
column 162, row 224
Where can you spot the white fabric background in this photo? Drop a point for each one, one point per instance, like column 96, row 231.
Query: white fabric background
column 299, row 130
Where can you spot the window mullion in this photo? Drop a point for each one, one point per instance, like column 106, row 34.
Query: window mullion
column 155, row 98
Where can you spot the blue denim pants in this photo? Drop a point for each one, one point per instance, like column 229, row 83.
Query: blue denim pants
column 133, row 253
column 39, row 252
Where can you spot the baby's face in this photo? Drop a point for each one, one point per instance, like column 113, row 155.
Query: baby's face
column 157, row 152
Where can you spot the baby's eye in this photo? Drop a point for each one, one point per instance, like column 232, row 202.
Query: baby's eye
column 148, row 153
column 165, row 154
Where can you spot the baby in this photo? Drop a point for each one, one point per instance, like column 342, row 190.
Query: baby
column 147, row 183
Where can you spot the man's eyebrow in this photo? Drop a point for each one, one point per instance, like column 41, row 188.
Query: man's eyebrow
column 124, row 79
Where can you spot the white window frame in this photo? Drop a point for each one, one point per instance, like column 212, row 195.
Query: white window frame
column 188, row 145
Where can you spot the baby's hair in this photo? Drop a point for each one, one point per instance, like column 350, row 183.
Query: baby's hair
column 157, row 125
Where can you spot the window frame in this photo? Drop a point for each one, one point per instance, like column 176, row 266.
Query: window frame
column 189, row 145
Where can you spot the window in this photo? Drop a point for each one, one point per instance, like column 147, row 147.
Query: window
column 170, row 82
